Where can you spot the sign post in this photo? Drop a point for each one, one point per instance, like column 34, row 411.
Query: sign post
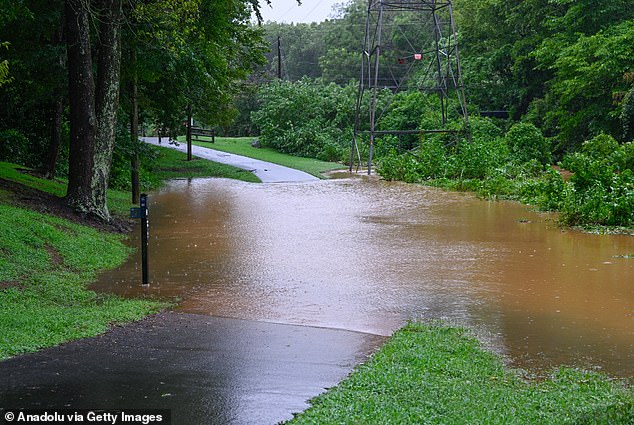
column 142, row 213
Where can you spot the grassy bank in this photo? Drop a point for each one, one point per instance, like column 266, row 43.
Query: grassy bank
column 170, row 164
column 46, row 262
column 242, row 146
column 432, row 374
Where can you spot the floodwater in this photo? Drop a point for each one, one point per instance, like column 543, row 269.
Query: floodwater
column 368, row 255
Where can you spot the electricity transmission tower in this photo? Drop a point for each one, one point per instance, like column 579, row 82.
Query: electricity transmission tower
column 408, row 45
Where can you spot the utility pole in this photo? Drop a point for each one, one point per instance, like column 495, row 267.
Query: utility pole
column 279, row 58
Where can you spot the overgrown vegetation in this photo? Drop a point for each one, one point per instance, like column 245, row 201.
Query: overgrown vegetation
column 599, row 190
column 306, row 118
column 434, row 374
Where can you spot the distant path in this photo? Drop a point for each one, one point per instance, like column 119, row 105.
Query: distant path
column 266, row 171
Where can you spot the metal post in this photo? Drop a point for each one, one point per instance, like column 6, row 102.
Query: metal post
column 145, row 233
column 279, row 58
column 375, row 88
column 189, row 132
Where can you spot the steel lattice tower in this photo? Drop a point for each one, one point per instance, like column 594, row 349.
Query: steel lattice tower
column 424, row 56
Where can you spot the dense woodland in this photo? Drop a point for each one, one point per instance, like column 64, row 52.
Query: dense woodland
column 563, row 69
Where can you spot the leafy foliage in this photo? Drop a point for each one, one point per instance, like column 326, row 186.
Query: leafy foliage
column 587, row 73
column 306, row 118
column 527, row 143
column 627, row 116
column 602, row 187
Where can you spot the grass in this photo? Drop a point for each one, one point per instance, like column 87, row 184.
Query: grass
column 173, row 164
column 47, row 262
column 434, row 374
column 12, row 172
column 242, row 146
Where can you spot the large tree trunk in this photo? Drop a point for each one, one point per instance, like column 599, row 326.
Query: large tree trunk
column 83, row 119
column 93, row 111
column 134, row 128
column 107, row 97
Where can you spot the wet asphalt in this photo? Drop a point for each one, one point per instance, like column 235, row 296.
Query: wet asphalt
column 205, row 370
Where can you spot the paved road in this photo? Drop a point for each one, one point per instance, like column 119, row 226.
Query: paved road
column 206, row 370
column 267, row 172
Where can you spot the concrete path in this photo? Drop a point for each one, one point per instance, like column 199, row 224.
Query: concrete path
column 266, row 171
column 205, row 370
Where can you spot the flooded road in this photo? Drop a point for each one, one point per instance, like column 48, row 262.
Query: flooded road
column 366, row 255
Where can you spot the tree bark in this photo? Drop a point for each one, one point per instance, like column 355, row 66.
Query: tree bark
column 107, row 99
column 93, row 110
column 134, row 128
column 83, row 119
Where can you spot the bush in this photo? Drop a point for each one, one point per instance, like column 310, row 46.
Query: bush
column 401, row 167
column 306, row 118
column 601, row 190
column 14, row 146
column 545, row 191
column 478, row 158
column 526, row 142
column 600, row 147
column 627, row 116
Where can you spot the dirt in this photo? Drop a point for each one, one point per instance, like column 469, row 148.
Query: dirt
column 46, row 203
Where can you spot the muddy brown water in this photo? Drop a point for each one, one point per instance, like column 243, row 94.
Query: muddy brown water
column 367, row 255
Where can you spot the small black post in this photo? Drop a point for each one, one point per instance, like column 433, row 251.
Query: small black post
column 145, row 233
column 142, row 213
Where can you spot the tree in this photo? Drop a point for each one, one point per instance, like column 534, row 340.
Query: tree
column 4, row 66
column 588, row 73
column 94, row 100
column 207, row 44
column 36, row 93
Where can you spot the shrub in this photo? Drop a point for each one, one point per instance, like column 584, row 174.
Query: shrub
column 305, row 118
column 601, row 190
column 478, row 158
column 545, row 191
column 627, row 116
column 600, row 147
column 526, row 142
column 14, row 146
column 401, row 167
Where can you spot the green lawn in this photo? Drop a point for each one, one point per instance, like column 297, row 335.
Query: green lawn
column 434, row 374
column 242, row 146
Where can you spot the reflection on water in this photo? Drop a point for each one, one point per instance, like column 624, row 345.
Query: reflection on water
column 368, row 255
